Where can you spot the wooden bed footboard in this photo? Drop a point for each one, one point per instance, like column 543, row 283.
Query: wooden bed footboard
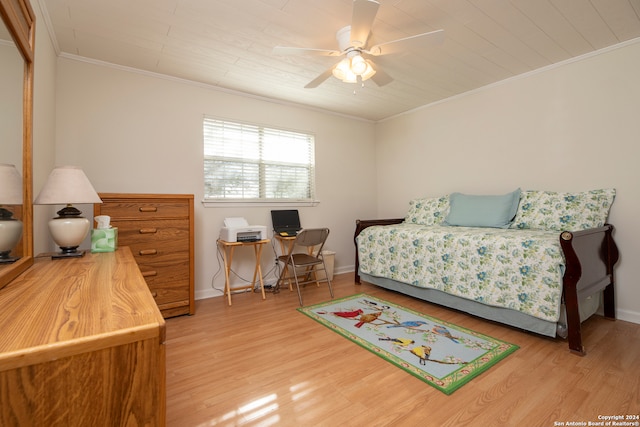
column 361, row 224
column 589, row 256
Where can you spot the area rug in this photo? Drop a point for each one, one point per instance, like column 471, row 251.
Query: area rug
column 442, row 354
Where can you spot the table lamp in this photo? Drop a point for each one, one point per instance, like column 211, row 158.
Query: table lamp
column 10, row 228
column 68, row 185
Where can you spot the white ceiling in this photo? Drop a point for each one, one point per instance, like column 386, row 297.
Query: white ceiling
column 228, row 43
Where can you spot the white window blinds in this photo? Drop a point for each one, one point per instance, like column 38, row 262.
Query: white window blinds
column 250, row 162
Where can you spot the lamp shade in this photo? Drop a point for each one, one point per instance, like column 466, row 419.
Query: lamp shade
column 67, row 185
column 10, row 185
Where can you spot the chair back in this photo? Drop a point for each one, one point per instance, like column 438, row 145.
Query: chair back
column 311, row 261
column 312, row 237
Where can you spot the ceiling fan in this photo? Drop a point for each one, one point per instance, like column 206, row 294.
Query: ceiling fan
column 357, row 66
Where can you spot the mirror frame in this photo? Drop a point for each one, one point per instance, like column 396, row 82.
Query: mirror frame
column 19, row 19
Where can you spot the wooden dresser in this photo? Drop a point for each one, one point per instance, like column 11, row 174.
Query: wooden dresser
column 82, row 344
column 159, row 230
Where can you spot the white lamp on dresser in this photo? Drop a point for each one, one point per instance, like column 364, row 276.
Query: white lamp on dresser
column 68, row 185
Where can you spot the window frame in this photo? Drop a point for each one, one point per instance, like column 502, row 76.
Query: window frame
column 262, row 129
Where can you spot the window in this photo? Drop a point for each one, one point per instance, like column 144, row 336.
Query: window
column 252, row 163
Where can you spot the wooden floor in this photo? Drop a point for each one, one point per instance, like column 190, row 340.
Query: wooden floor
column 261, row 363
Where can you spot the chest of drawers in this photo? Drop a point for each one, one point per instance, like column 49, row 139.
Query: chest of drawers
column 159, row 230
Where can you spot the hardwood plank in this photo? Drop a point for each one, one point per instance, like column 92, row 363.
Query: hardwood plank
column 263, row 363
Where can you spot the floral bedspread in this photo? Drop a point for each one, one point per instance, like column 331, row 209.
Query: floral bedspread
column 516, row 269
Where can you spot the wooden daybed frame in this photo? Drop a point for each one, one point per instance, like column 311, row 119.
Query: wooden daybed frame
column 590, row 256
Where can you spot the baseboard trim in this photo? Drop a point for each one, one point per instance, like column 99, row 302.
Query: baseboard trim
column 212, row 293
column 628, row 316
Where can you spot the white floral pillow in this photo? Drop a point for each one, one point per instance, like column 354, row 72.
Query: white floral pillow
column 428, row 211
column 548, row 210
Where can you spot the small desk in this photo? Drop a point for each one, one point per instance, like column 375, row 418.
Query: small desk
column 227, row 256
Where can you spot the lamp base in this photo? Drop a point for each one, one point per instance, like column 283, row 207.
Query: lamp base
column 10, row 234
column 68, row 232
column 69, row 253
column 6, row 259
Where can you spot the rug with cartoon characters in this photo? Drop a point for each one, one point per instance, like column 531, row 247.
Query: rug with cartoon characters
column 442, row 354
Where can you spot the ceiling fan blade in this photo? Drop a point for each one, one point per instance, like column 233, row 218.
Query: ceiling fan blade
column 395, row 46
column 380, row 78
column 321, row 78
column 284, row 50
column 364, row 12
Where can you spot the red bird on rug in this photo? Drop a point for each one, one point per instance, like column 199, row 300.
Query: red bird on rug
column 348, row 314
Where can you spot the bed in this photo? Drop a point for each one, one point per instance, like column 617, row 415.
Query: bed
column 527, row 272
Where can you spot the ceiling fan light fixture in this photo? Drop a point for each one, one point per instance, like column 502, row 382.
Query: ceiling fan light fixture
column 349, row 69
column 343, row 72
column 368, row 72
column 341, row 69
column 358, row 65
column 350, row 78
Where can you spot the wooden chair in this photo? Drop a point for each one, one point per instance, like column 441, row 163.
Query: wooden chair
column 310, row 260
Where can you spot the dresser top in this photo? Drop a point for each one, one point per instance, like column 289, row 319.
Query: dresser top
column 63, row 307
column 144, row 196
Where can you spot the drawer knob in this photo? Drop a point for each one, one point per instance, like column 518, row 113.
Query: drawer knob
column 148, row 252
column 154, row 294
column 148, row 209
column 149, row 273
column 148, row 230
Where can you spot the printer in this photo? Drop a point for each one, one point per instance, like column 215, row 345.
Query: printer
column 239, row 230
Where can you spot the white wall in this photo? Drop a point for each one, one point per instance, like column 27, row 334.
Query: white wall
column 137, row 133
column 567, row 128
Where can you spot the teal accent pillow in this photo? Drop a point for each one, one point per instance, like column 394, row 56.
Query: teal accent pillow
column 482, row 211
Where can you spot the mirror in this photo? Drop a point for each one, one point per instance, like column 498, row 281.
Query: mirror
column 17, row 38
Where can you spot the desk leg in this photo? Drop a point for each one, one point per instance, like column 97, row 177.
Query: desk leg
column 227, row 257
column 258, row 270
column 284, row 250
column 284, row 267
